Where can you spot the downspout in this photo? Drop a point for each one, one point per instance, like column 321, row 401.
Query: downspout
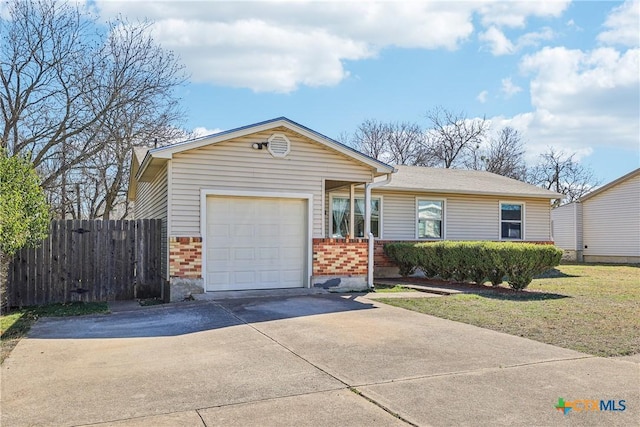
column 367, row 224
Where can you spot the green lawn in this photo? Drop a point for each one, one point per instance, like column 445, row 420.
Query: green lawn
column 590, row 308
column 15, row 324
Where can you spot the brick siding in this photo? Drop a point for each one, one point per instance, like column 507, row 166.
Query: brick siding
column 185, row 257
column 340, row 257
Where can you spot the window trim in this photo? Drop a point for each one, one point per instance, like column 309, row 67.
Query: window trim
column 522, row 220
column 444, row 217
column 357, row 196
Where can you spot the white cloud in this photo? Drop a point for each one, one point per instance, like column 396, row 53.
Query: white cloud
column 499, row 44
column 572, row 24
column 581, row 100
column 514, row 14
column 508, row 88
column 623, row 25
column 482, row 96
column 203, row 131
column 279, row 46
column 534, row 38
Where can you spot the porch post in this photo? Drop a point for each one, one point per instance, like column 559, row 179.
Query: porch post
column 367, row 224
column 352, row 210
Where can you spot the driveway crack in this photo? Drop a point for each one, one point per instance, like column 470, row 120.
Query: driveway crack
column 346, row 385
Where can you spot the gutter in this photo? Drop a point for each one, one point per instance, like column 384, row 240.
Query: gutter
column 367, row 224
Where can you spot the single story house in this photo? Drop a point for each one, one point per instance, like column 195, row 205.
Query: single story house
column 278, row 205
column 604, row 225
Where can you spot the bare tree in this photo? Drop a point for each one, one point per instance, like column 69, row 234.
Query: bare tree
column 559, row 172
column 397, row 143
column 502, row 155
column 370, row 138
column 70, row 90
column 404, row 141
column 450, row 136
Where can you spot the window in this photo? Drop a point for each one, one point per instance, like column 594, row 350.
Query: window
column 430, row 215
column 511, row 221
column 340, row 212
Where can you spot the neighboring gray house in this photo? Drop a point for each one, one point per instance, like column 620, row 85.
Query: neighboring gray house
column 276, row 204
column 604, row 225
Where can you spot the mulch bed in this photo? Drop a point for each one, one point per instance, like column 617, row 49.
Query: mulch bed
column 461, row 286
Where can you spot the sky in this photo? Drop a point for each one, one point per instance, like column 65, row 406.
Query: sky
column 566, row 74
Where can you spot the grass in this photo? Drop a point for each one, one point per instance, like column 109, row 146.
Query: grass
column 392, row 289
column 588, row 308
column 15, row 324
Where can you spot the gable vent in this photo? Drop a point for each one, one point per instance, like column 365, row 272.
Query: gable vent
column 279, row 145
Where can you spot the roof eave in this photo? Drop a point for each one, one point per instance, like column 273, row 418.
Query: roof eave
column 611, row 184
column 550, row 196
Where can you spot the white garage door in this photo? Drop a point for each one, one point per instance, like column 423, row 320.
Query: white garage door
column 255, row 243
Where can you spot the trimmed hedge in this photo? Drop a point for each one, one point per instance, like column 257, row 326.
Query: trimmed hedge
column 477, row 262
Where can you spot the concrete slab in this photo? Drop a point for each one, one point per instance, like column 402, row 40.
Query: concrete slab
column 104, row 374
column 331, row 408
column 635, row 358
column 182, row 419
column 373, row 342
column 518, row 396
column 258, row 293
column 273, row 361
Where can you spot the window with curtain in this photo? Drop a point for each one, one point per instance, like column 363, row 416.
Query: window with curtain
column 340, row 213
column 511, row 221
column 430, row 215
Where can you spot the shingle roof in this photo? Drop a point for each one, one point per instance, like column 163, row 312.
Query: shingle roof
column 458, row 181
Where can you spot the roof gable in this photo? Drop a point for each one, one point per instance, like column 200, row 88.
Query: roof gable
column 610, row 185
column 157, row 156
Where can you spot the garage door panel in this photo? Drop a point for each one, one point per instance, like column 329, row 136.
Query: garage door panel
column 245, row 277
column 220, row 230
column 268, row 254
column 219, row 255
column 219, row 277
column 271, row 232
column 255, row 243
column 243, row 254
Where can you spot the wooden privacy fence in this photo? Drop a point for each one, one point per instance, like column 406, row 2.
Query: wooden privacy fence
column 89, row 260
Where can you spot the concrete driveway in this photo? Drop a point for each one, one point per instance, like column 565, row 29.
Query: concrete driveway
column 304, row 360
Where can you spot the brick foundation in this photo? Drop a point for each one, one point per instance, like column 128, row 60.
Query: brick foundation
column 185, row 257
column 340, row 257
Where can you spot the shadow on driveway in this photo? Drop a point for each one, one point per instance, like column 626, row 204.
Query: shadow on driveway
column 186, row 318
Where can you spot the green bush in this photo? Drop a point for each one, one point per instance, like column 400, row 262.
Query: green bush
column 475, row 262
column 404, row 256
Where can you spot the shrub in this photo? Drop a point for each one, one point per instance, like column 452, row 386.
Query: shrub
column 404, row 256
column 476, row 261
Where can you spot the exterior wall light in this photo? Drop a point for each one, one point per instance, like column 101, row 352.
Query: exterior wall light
column 259, row 145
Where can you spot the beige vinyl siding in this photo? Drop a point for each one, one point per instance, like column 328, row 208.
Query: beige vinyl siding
column 611, row 221
column 398, row 216
column 151, row 202
column 579, row 227
column 234, row 165
column 565, row 226
column 537, row 220
column 466, row 217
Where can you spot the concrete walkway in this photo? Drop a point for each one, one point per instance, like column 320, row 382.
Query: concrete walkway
column 299, row 360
